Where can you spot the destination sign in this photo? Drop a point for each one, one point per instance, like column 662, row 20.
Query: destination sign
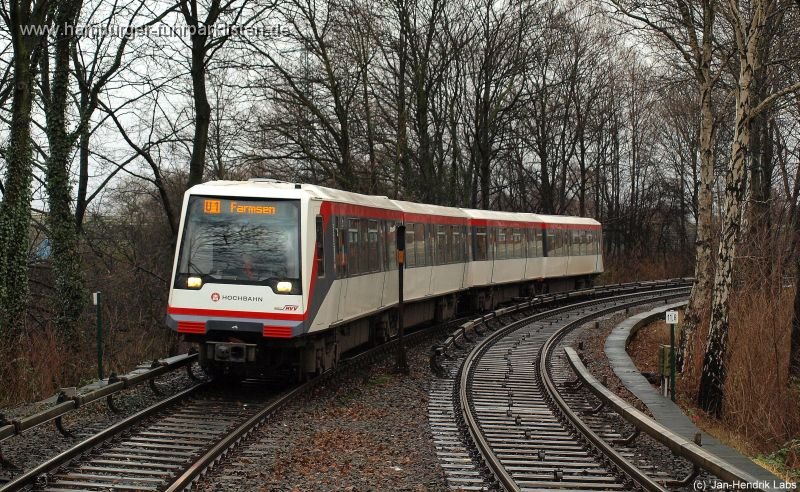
column 216, row 207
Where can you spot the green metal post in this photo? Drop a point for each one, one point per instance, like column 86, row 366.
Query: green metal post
column 98, row 312
column 672, row 361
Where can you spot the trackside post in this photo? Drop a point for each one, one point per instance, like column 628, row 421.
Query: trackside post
column 96, row 298
column 402, row 360
column 672, row 320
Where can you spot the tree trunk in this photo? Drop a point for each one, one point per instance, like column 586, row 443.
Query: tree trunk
column 700, row 297
column 69, row 287
column 794, row 361
column 712, row 379
column 202, row 110
column 15, row 210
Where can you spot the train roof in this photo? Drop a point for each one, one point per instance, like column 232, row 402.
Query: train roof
column 424, row 208
column 501, row 216
column 280, row 189
column 566, row 219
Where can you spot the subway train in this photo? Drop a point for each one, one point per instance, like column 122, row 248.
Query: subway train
column 271, row 276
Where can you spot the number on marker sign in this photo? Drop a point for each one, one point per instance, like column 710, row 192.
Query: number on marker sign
column 672, row 317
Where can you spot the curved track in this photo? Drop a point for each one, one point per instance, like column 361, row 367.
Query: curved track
column 171, row 444
column 513, row 397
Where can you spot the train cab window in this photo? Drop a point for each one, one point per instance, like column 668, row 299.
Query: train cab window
column 320, row 248
column 372, row 246
column 419, row 237
column 481, row 245
column 240, row 241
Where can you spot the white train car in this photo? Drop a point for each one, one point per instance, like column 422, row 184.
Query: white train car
column 270, row 275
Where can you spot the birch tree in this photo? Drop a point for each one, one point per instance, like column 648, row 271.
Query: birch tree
column 748, row 28
column 687, row 26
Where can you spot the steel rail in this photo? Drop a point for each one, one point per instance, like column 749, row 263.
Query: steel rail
column 18, row 426
column 212, row 456
column 546, row 353
column 82, row 447
column 675, row 443
column 468, row 367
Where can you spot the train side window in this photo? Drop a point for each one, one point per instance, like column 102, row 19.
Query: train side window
column 441, row 245
column 519, row 246
column 353, row 246
column 467, row 243
column 584, row 243
column 419, row 236
column 363, row 253
column 372, row 246
column 391, row 244
column 491, row 238
column 320, row 250
column 575, row 242
column 479, row 251
column 448, row 253
column 410, row 246
column 458, row 245
column 430, row 243
column 383, row 258
column 585, row 246
column 590, row 242
column 551, row 243
column 530, row 248
column 340, row 231
column 500, row 241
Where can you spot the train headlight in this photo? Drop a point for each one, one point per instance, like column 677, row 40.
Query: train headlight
column 284, row 287
column 194, row 282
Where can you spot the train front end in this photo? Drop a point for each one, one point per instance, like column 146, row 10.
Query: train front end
column 237, row 284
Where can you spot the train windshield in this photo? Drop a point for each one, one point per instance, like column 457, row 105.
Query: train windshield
column 241, row 241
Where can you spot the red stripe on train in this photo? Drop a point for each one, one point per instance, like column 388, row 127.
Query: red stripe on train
column 277, row 331
column 193, row 327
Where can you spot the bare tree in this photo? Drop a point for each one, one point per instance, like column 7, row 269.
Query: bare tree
column 748, row 28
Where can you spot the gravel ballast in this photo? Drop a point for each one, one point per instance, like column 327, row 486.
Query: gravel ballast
column 365, row 431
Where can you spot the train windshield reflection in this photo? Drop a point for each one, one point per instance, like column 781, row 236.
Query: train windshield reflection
column 241, row 241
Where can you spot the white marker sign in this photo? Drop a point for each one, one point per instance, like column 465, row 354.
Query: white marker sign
column 672, row 317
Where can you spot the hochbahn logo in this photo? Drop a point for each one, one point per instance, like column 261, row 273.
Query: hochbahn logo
column 215, row 296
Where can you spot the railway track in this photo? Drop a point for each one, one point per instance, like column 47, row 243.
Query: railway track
column 508, row 416
column 171, row 444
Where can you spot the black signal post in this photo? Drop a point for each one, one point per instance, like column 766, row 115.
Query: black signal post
column 402, row 360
